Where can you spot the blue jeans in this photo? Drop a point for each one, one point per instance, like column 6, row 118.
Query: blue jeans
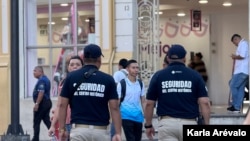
column 237, row 86
column 112, row 130
column 68, row 128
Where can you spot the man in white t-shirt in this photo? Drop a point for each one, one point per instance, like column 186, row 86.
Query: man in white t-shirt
column 122, row 72
column 240, row 73
column 118, row 76
column 132, row 99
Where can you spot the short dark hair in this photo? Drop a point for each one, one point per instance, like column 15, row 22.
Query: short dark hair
column 130, row 62
column 235, row 35
column 73, row 57
column 165, row 60
column 76, row 57
column 123, row 62
column 199, row 54
column 40, row 68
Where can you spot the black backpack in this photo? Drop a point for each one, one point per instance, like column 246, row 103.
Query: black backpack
column 123, row 88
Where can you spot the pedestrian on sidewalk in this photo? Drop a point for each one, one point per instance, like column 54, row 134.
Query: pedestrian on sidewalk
column 74, row 63
column 180, row 93
column 118, row 76
column 132, row 98
column 91, row 95
column 122, row 72
column 240, row 73
column 42, row 101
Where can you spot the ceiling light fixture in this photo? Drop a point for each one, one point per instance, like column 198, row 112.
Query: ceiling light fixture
column 86, row 20
column 64, row 19
column 51, row 23
column 203, row 1
column 64, row 4
column 227, row 4
column 159, row 13
column 181, row 14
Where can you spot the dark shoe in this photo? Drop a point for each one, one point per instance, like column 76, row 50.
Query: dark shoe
column 232, row 109
column 34, row 139
column 229, row 108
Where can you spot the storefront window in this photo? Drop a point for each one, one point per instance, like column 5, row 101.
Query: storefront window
column 55, row 31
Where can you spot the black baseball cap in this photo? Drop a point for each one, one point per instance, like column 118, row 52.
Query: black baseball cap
column 177, row 52
column 92, row 51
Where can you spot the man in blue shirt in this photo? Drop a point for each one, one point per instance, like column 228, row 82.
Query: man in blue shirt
column 41, row 98
column 181, row 94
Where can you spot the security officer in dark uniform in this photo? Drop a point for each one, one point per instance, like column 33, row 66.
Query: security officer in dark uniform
column 181, row 94
column 41, row 98
column 91, row 94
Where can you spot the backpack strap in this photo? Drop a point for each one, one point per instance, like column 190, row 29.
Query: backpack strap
column 123, row 88
column 86, row 76
column 140, row 82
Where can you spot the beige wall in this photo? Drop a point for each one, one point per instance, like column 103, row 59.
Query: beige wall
column 222, row 28
column 5, row 97
column 4, row 78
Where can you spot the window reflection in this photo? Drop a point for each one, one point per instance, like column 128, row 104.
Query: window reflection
column 58, row 35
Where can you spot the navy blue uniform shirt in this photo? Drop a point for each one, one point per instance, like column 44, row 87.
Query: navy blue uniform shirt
column 177, row 89
column 43, row 85
column 89, row 103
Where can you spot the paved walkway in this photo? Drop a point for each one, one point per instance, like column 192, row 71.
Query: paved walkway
column 26, row 120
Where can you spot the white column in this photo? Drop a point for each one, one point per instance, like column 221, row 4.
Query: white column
column 104, row 23
column 21, row 50
column 30, row 32
column 5, row 27
column 98, row 19
column 125, row 25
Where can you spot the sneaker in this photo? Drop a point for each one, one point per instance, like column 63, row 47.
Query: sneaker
column 232, row 109
column 229, row 108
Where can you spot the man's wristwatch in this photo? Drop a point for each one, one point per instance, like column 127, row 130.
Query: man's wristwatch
column 148, row 126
